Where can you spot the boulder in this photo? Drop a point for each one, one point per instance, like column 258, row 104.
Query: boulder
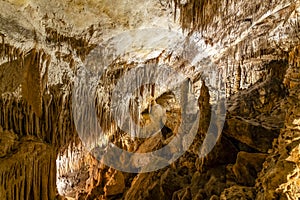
column 115, row 185
column 247, row 167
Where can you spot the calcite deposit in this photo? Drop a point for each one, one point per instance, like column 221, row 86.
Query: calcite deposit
column 67, row 67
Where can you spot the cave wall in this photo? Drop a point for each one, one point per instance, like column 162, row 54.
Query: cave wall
column 280, row 175
column 27, row 168
column 253, row 44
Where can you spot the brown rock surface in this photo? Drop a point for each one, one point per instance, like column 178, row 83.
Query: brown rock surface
column 247, row 166
column 279, row 177
column 33, row 163
column 250, row 46
column 238, row 192
column 115, row 184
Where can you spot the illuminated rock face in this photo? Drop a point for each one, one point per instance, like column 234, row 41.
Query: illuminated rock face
column 27, row 168
column 252, row 47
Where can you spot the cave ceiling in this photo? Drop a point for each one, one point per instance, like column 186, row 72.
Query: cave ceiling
column 246, row 50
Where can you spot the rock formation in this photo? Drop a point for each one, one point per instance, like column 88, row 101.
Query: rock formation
column 66, row 68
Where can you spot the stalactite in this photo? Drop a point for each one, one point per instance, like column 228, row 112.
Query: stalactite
column 3, row 46
column 31, row 86
column 72, row 159
column 291, row 81
column 34, row 165
column 80, row 44
column 23, row 120
column 285, row 168
column 238, row 78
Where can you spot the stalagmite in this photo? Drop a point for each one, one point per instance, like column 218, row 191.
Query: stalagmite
column 45, row 45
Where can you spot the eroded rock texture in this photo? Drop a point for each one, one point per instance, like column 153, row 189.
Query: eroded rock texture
column 27, row 168
column 249, row 50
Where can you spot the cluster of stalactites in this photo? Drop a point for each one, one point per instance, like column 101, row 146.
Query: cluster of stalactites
column 25, row 70
column 8, row 52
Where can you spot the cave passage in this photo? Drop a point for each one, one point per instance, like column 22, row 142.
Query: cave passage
column 149, row 99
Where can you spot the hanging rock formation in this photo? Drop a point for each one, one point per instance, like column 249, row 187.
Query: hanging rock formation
column 247, row 52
